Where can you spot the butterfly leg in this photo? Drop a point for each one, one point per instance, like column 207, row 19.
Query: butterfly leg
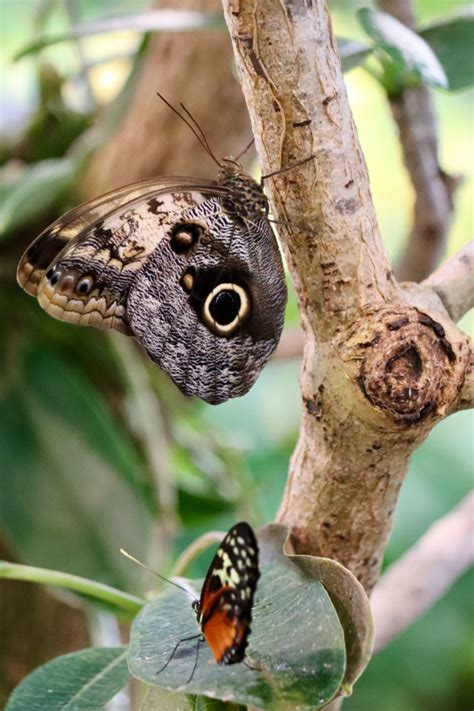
column 185, row 639
column 249, row 667
column 199, row 642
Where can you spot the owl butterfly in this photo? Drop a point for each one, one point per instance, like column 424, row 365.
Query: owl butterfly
column 189, row 267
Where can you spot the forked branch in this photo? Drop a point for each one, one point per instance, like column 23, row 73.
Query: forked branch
column 382, row 364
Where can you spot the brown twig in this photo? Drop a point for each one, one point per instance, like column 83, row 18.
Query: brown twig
column 415, row 582
column 453, row 282
column 414, row 115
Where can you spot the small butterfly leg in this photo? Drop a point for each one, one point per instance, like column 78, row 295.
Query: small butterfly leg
column 199, row 642
column 185, row 639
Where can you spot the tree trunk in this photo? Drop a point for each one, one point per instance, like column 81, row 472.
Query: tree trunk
column 383, row 362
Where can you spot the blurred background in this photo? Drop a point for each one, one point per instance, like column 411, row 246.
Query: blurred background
column 97, row 448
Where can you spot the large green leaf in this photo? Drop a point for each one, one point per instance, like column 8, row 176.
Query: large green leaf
column 452, row 40
column 296, row 640
column 70, row 480
column 158, row 699
column 346, row 593
column 409, row 53
column 82, row 681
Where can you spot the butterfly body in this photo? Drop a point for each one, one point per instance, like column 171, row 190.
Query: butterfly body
column 224, row 610
column 190, row 268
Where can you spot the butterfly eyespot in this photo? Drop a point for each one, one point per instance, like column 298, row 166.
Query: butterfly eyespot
column 84, row 285
column 184, row 235
column 187, row 280
column 226, row 308
column 53, row 275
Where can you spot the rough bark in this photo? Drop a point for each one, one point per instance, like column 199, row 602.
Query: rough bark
column 150, row 140
column 382, row 364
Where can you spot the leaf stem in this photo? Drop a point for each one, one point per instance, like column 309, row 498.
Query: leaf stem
column 99, row 591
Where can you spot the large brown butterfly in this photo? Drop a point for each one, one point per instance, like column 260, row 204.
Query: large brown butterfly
column 190, row 268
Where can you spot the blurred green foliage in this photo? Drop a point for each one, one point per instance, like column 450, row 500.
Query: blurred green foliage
column 76, row 471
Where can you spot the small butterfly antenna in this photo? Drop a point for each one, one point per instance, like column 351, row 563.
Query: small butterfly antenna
column 288, row 167
column 199, row 134
column 150, row 570
column 242, row 153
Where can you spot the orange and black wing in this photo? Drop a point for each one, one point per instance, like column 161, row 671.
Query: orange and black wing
column 225, row 606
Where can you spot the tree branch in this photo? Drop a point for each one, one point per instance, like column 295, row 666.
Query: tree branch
column 415, row 582
column 414, row 115
column 453, row 282
column 381, row 365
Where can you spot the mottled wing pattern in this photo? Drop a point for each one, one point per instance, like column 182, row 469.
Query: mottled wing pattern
column 225, row 605
column 190, row 268
column 82, row 266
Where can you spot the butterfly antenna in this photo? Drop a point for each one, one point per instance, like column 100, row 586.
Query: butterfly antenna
column 150, row 570
column 242, row 153
column 199, row 135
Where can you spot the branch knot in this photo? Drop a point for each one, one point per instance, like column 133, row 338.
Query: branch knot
column 408, row 368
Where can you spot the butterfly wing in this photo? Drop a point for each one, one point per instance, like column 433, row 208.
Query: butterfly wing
column 201, row 290
column 81, row 266
column 225, row 606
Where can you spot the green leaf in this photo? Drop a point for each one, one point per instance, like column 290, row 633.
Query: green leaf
column 152, row 21
column 34, row 192
column 452, row 40
column 116, row 600
column 346, row 593
column 158, row 699
column 296, row 640
column 408, row 52
column 69, row 478
column 352, row 53
column 82, row 681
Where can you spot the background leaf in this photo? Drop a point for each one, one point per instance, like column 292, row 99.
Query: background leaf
column 452, row 41
column 82, row 681
column 352, row 53
column 153, row 21
column 406, row 49
column 34, row 192
column 72, row 488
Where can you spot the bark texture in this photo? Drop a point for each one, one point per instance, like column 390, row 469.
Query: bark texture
column 382, row 363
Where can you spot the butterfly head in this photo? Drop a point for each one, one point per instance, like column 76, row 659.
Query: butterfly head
column 246, row 198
